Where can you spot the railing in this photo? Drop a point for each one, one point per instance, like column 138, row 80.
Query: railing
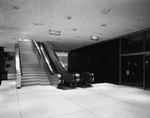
column 57, row 57
column 18, row 67
column 43, row 49
column 41, row 52
column 45, row 60
column 20, row 61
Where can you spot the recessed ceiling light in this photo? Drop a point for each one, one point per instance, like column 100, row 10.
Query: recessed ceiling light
column 15, row 7
column 68, row 17
column 94, row 38
column 103, row 25
column 74, row 29
column 107, row 10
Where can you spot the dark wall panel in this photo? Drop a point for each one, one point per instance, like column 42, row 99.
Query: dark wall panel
column 101, row 59
column 129, row 55
column 147, row 42
column 132, row 70
column 2, row 62
column 147, row 71
column 132, row 43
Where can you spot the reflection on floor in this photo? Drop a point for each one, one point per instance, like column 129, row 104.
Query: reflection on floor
column 102, row 100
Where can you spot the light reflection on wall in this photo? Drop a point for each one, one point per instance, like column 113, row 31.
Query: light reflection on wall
column 63, row 57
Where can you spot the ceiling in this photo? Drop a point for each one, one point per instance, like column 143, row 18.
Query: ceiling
column 76, row 20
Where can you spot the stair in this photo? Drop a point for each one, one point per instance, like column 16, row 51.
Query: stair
column 44, row 76
column 33, row 72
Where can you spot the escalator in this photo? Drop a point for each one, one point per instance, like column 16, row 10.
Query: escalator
column 73, row 79
column 54, row 76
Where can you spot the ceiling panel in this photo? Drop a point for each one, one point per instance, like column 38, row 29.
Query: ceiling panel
column 77, row 20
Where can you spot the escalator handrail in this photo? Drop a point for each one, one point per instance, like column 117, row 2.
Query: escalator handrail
column 50, row 46
column 46, row 60
column 49, row 58
column 40, row 51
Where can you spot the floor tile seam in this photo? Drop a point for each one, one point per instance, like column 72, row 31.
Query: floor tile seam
column 47, row 100
column 127, row 101
column 118, row 98
column 144, row 94
column 106, row 106
column 82, row 95
column 18, row 104
column 77, row 96
column 110, row 97
column 101, row 92
column 68, row 114
column 113, row 91
column 85, row 108
column 137, row 105
column 110, row 91
column 79, row 105
column 19, row 92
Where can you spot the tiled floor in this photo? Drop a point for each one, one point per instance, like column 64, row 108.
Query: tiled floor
column 102, row 100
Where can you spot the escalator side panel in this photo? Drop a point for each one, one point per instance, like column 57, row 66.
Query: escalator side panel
column 68, row 77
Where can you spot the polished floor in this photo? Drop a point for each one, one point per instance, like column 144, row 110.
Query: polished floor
column 102, row 100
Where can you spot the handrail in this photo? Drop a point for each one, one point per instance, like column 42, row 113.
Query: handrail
column 49, row 58
column 46, row 59
column 20, row 60
column 55, row 78
column 18, row 70
column 42, row 53
column 57, row 56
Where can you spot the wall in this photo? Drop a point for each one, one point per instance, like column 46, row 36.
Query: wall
column 101, row 59
column 63, row 57
column 123, row 60
column 2, row 64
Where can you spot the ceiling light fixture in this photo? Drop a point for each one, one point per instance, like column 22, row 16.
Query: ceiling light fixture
column 107, row 10
column 39, row 24
column 94, row 38
column 103, row 25
column 68, row 17
column 74, row 29
column 54, row 32
column 15, row 7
